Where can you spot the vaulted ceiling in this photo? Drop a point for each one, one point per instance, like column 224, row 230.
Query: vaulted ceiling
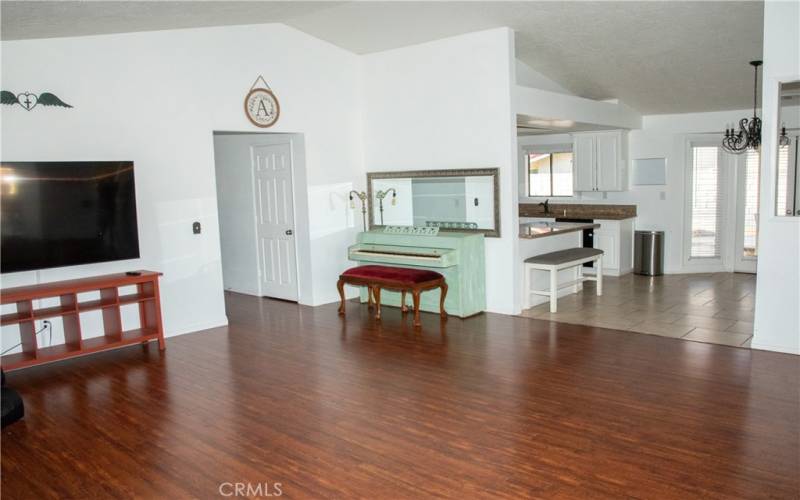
column 656, row 56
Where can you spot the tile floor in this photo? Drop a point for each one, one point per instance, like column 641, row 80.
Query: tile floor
column 714, row 308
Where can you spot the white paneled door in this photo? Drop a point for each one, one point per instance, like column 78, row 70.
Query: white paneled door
column 274, row 209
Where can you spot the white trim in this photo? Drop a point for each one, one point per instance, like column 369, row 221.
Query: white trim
column 547, row 148
column 775, row 348
column 197, row 327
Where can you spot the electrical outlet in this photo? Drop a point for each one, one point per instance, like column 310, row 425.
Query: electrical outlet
column 46, row 331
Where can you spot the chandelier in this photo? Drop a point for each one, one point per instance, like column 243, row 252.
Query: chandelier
column 749, row 134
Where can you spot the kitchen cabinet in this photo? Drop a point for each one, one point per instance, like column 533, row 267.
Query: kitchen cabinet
column 583, row 160
column 600, row 160
column 615, row 239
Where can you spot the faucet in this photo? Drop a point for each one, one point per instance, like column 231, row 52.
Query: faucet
column 546, row 205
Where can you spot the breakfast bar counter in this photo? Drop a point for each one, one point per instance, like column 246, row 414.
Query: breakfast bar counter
column 531, row 230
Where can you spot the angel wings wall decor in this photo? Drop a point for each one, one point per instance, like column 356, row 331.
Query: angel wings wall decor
column 29, row 101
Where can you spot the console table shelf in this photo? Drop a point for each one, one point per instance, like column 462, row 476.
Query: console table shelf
column 71, row 307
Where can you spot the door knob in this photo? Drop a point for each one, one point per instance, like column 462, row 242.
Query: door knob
column 289, row 232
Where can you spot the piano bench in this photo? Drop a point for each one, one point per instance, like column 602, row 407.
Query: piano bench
column 402, row 279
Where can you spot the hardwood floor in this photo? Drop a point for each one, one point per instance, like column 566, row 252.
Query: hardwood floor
column 492, row 406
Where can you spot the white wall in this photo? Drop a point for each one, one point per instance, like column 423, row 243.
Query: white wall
column 540, row 103
column 777, row 318
column 237, row 230
column 155, row 98
column 445, row 105
column 402, row 212
column 529, row 77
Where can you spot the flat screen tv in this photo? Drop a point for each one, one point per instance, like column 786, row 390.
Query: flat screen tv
column 55, row 214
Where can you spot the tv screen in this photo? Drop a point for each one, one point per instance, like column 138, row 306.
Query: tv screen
column 55, row 214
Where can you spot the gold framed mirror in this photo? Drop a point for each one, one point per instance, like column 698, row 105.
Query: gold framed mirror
column 787, row 194
column 463, row 200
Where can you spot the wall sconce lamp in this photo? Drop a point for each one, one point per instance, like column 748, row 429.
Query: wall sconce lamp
column 363, row 197
column 380, row 195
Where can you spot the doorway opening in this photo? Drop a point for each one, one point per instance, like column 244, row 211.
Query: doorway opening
column 709, row 292
column 257, row 177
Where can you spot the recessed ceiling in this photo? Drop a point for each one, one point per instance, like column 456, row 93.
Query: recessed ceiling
column 657, row 57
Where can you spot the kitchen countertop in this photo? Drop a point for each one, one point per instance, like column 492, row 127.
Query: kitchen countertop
column 531, row 230
column 579, row 211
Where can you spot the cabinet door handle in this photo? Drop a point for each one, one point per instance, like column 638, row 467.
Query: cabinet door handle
column 289, row 232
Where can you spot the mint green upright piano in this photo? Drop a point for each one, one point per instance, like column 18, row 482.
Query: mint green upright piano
column 460, row 257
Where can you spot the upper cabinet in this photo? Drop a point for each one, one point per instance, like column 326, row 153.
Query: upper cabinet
column 600, row 160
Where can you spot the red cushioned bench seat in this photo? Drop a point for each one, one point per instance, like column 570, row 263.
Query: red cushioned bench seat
column 400, row 274
column 404, row 279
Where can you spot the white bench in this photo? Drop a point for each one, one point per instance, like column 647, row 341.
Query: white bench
column 563, row 259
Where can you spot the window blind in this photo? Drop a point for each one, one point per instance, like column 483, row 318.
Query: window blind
column 782, row 201
column 707, row 203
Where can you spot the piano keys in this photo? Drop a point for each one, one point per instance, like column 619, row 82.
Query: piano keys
column 397, row 254
column 460, row 257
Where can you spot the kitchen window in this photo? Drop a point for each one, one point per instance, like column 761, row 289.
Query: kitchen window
column 549, row 173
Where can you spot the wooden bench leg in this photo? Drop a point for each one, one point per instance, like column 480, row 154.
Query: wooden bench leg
column 403, row 307
column 443, row 295
column 376, row 290
column 415, row 297
column 369, row 296
column 340, row 286
column 553, row 290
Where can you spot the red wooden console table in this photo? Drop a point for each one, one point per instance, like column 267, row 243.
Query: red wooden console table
column 70, row 309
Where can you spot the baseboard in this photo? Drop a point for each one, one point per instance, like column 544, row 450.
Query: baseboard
column 254, row 293
column 349, row 293
column 606, row 271
column 775, row 348
column 197, row 327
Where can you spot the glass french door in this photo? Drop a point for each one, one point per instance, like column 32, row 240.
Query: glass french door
column 723, row 211
column 748, row 168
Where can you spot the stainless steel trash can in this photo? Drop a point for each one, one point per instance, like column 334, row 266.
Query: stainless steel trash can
column 648, row 253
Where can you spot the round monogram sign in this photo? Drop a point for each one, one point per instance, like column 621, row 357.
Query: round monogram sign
column 261, row 107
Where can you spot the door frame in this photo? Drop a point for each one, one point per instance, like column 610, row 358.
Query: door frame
column 299, row 203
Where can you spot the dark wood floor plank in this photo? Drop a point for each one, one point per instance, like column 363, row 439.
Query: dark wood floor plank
column 492, row 406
